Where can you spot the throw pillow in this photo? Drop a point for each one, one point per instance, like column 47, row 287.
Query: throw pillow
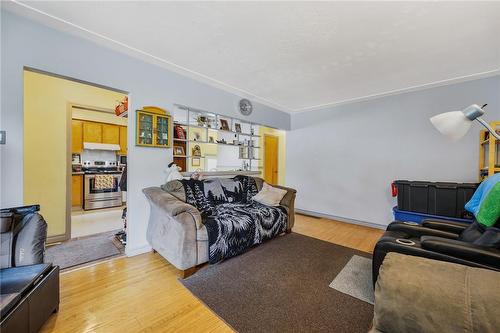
column 269, row 195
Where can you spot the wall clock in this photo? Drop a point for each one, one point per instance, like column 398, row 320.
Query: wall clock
column 245, row 107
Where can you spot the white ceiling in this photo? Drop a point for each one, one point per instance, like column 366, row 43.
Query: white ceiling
column 299, row 56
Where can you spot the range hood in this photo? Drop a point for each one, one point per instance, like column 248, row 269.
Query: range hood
column 100, row 146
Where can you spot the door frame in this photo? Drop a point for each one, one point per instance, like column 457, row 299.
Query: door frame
column 69, row 107
column 69, row 169
column 277, row 154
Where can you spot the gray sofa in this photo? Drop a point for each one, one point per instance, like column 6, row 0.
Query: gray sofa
column 176, row 229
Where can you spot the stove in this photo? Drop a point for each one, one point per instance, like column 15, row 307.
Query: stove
column 101, row 185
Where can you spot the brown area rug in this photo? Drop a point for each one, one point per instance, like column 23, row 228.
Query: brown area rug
column 283, row 286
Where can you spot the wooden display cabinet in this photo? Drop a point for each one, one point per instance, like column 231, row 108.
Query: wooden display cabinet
column 154, row 128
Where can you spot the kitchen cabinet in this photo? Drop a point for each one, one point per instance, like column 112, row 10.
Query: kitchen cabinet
column 110, row 134
column 77, row 190
column 76, row 136
column 92, row 132
column 123, row 140
column 154, row 128
column 101, row 133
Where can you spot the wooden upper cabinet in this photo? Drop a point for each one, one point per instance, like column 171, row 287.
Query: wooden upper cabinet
column 92, row 132
column 123, row 140
column 76, row 136
column 111, row 134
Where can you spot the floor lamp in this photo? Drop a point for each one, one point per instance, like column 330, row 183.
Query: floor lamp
column 456, row 124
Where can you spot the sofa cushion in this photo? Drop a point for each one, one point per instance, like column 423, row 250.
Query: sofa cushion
column 15, row 282
column 7, row 302
column 30, row 235
column 269, row 196
column 415, row 294
column 176, row 189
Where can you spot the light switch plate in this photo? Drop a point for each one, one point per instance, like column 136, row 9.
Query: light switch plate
column 3, row 137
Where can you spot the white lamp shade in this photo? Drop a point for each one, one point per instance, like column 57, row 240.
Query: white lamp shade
column 452, row 124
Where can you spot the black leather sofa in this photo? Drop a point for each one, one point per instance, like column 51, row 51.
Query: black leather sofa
column 29, row 288
column 456, row 242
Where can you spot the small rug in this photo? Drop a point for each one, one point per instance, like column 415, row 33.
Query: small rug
column 283, row 286
column 82, row 250
column 355, row 279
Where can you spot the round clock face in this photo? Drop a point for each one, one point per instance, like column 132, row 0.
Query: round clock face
column 245, row 107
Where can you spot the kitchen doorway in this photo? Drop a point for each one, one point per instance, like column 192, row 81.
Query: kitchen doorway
column 75, row 166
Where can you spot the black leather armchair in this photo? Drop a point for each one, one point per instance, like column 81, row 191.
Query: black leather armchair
column 457, row 242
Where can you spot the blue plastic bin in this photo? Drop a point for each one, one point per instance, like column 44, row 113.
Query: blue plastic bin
column 406, row 216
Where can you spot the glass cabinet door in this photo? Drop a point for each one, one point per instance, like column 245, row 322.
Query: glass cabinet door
column 145, row 129
column 162, row 128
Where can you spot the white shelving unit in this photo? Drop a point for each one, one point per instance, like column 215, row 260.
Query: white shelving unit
column 234, row 147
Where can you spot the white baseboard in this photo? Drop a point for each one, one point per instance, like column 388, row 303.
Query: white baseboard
column 341, row 219
column 138, row 250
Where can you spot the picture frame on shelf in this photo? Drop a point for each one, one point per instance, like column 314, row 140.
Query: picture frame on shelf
column 202, row 121
column 195, row 161
column 237, row 127
column 179, row 132
column 179, row 151
column 196, row 151
column 211, row 123
column 224, row 125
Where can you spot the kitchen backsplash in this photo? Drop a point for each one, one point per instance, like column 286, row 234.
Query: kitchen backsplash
column 98, row 155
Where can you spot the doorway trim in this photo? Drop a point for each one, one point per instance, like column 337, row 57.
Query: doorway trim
column 69, row 105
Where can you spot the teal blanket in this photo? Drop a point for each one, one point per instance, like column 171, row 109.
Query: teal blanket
column 485, row 203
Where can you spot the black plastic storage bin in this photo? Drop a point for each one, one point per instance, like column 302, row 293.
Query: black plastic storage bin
column 435, row 198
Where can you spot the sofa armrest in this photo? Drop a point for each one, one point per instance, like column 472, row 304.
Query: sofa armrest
column 445, row 225
column 171, row 205
column 419, row 231
column 288, row 201
column 463, row 250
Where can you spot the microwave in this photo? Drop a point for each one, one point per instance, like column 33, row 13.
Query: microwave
column 122, row 160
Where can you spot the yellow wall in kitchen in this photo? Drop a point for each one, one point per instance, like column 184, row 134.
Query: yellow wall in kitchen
column 101, row 117
column 281, row 151
column 47, row 144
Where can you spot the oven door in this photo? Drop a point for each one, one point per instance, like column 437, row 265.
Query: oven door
column 102, row 193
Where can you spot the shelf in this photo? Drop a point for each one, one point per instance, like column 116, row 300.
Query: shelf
column 196, row 126
column 181, row 156
column 497, row 168
column 244, row 134
column 233, row 145
column 189, row 118
column 488, row 141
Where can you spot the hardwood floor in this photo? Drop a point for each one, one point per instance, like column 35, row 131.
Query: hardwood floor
column 142, row 294
column 350, row 235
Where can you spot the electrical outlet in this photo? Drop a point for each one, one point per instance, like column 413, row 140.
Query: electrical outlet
column 3, row 137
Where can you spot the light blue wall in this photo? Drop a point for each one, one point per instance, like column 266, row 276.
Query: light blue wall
column 355, row 151
column 26, row 43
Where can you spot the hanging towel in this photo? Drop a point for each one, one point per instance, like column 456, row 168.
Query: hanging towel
column 104, row 182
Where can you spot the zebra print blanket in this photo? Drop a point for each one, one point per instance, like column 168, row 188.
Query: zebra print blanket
column 234, row 222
